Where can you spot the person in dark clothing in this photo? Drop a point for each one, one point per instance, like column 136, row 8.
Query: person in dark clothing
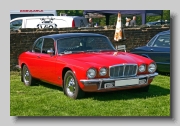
column 133, row 21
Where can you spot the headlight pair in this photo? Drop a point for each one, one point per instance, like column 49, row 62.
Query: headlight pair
column 151, row 68
column 92, row 72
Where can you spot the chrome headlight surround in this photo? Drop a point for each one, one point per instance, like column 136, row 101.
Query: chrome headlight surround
column 103, row 71
column 142, row 68
column 91, row 73
column 152, row 68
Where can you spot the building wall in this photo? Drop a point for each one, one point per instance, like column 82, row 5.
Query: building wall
column 22, row 40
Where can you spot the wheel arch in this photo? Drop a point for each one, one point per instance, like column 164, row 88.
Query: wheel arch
column 145, row 55
column 22, row 71
column 65, row 69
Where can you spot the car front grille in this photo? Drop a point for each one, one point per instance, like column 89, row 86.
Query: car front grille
column 123, row 70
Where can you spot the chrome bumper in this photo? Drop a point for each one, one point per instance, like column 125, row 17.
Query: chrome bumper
column 107, row 80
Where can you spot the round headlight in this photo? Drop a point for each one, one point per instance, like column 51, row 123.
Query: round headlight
column 91, row 73
column 102, row 72
column 142, row 68
column 152, row 68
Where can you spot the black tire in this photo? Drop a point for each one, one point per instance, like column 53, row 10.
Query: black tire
column 39, row 26
column 71, row 87
column 50, row 26
column 26, row 76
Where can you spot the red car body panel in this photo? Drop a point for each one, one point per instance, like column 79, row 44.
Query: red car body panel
column 49, row 68
column 52, row 68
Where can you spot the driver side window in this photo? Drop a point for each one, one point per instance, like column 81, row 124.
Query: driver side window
column 38, row 45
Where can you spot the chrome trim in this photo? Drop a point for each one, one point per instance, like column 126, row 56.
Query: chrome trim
column 124, row 66
column 101, row 80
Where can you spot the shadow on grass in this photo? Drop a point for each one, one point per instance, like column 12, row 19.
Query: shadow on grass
column 154, row 91
column 47, row 85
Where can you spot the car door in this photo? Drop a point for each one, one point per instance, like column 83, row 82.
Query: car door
column 159, row 51
column 34, row 63
column 48, row 61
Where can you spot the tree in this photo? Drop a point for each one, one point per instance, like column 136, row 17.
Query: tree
column 166, row 16
column 113, row 18
column 71, row 12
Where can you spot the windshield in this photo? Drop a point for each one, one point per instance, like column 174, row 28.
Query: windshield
column 84, row 44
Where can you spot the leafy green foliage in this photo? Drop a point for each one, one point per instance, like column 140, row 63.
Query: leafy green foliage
column 113, row 18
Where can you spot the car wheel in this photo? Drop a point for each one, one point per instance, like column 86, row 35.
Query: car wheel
column 71, row 86
column 50, row 26
column 26, row 76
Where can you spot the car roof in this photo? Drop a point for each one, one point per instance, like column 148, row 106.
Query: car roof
column 66, row 35
column 36, row 17
column 164, row 32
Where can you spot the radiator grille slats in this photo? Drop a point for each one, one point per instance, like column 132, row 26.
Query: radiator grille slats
column 123, row 70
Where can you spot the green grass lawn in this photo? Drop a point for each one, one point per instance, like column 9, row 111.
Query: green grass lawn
column 48, row 100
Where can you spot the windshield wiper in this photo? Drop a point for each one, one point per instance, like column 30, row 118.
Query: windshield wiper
column 106, row 50
column 100, row 50
column 70, row 52
column 91, row 50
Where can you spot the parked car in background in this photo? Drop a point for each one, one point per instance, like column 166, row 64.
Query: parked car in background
column 48, row 22
column 158, row 49
column 84, row 62
column 159, row 22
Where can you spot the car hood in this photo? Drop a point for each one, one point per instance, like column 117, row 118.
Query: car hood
column 107, row 59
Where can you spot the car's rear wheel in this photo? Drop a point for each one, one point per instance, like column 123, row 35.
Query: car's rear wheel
column 26, row 76
column 71, row 86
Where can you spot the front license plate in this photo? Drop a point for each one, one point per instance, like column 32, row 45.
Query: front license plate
column 126, row 82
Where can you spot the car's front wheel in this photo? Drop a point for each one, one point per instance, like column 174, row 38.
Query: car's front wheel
column 71, row 86
column 26, row 76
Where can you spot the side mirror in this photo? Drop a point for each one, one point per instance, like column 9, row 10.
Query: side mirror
column 50, row 51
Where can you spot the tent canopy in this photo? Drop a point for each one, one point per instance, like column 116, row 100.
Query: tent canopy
column 143, row 13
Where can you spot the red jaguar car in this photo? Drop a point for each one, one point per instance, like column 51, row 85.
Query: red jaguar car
column 84, row 62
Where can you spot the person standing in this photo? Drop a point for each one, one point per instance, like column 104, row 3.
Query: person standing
column 133, row 21
column 127, row 21
column 90, row 22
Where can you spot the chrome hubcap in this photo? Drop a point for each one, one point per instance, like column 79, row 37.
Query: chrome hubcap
column 26, row 76
column 70, row 86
